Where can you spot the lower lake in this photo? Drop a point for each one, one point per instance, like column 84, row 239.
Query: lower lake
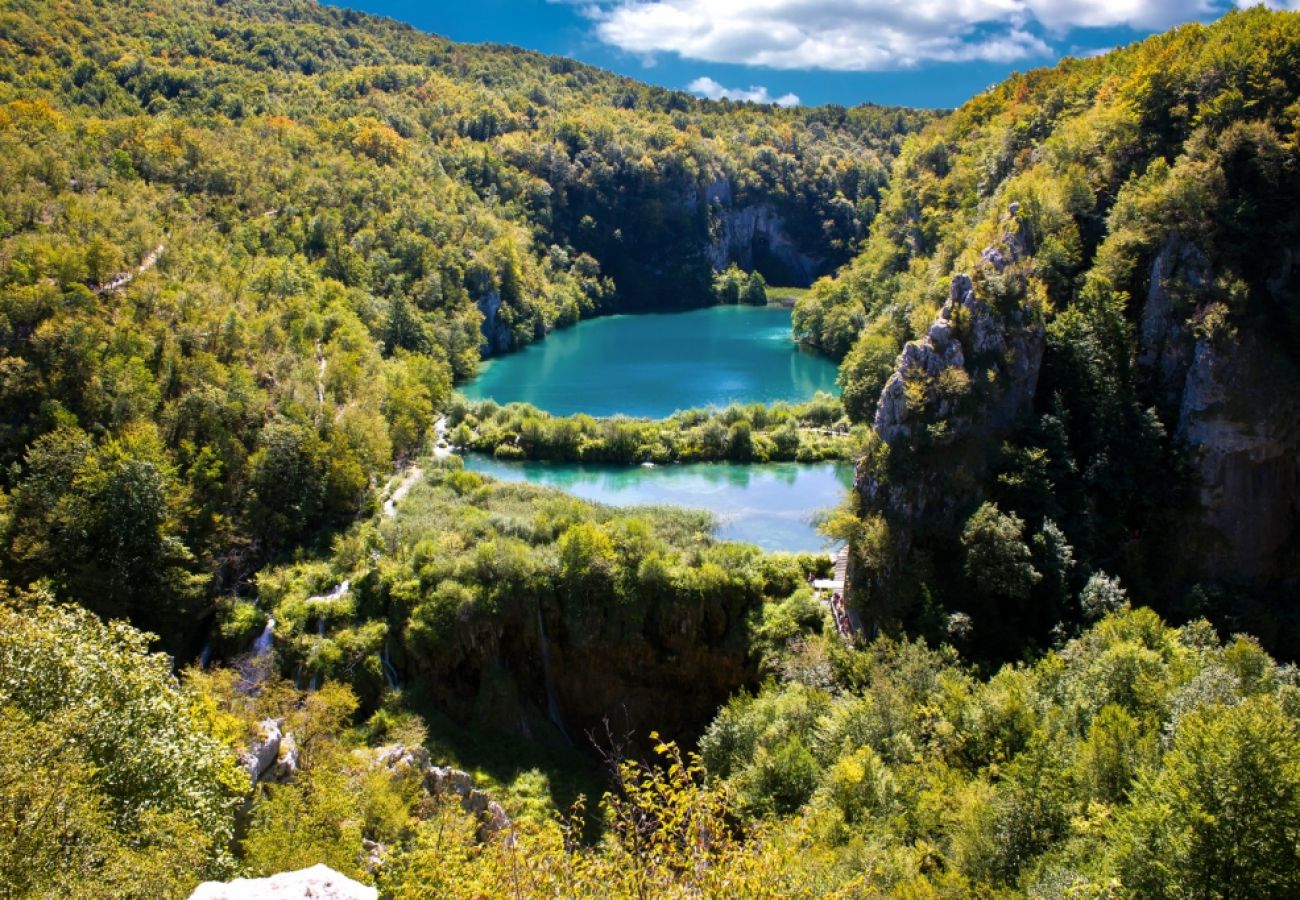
column 655, row 364
column 772, row 505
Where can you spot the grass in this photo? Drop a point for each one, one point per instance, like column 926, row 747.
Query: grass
column 786, row 296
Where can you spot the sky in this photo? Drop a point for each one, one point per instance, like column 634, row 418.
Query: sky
column 935, row 53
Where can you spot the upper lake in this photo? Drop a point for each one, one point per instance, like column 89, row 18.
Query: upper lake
column 652, row 365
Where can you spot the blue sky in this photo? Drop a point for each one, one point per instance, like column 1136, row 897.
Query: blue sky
column 912, row 52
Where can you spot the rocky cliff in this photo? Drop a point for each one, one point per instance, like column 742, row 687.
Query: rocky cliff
column 953, row 392
column 1227, row 392
column 557, row 673
column 755, row 236
column 497, row 337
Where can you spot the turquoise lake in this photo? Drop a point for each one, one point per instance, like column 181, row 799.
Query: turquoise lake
column 655, row 364
column 771, row 505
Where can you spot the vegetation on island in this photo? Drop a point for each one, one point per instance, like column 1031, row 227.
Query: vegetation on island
column 782, row 432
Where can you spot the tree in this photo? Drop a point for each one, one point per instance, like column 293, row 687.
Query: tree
column 286, row 482
column 1221, row 816
column 109, row 771
column 996, row 559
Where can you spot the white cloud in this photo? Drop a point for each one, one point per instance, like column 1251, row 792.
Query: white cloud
column 755, row 93
column 865, row 35
column 1271, row 4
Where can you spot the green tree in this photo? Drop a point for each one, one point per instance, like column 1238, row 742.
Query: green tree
column 1221, row 816
column 995, row 556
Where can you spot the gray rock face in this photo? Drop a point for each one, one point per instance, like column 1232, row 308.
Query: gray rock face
column 1178, row 276
column 740, row 234
column 1224, row 401
column 1016, row 345
column 496, row 334
column 924, row 411
column 273, row 755
column 320, row 882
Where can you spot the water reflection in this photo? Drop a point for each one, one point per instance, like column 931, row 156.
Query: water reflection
column 772, row 505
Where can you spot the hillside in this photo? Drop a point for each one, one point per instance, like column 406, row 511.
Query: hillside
column 257, row 616
column 1090, row 271
column 246, row 248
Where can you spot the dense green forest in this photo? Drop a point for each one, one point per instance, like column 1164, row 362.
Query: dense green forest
column 247, row 248
column 255, row 614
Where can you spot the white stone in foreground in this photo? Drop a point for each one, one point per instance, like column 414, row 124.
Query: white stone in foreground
column 320, row 882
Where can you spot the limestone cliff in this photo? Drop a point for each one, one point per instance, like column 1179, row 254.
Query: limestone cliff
column 555, row 673
column 1226, row 391
column 497, row 337
column 954, row 391
column 755, row 235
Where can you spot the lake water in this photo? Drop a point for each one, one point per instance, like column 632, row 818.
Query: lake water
column 652, row 365
column 771, row 504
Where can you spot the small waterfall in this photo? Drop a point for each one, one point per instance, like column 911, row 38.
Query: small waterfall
column 256, row 666
column 338, row 592
column 205, row 655
column 390, row 673
column 262, row 645
column 552, row 708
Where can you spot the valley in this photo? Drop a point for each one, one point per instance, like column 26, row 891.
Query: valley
column 410, row 473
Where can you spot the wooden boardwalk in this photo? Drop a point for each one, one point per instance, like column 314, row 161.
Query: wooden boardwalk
column 831, row 592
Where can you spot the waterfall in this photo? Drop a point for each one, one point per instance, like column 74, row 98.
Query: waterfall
column 552, row 708
column 336, row 593
column 205, row 655
column 390, row 673
column 262, row 645
column 256, row 666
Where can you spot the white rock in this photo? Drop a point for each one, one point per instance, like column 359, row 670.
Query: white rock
column 320, row 882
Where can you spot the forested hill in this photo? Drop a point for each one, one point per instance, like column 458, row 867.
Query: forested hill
column 246, row 248
column 1112, row 390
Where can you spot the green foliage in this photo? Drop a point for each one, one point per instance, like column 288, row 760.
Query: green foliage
column 110, row 772
column 1077, row 773
column 805, row 432
column 1140, row 203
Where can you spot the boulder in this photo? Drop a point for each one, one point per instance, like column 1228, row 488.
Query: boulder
column 262, row 755
column 319, row 882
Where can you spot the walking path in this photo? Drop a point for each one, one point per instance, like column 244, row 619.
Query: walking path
column 831, row 592
column 129, row 276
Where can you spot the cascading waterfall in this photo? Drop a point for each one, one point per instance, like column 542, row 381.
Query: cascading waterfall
column 205, row 655
column 390, row 673
column 552, row 708
column 257, row 665
column 262, row 645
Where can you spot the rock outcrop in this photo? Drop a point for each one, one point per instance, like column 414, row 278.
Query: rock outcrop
column 954, row 391
column 938, row 396
column 497, row 337
column 439, row 780
column 273, row 754
column 754, row 235
column 319, row 882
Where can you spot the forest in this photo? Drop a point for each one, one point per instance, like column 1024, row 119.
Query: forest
column 255, row 615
